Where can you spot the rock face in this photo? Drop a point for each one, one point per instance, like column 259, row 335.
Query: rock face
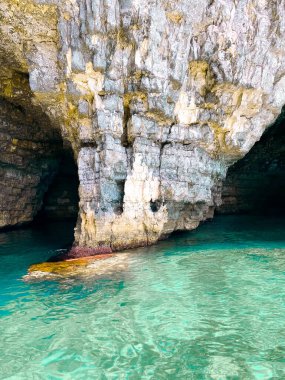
column 31, row 158
column 28, row 162
column 156, row 99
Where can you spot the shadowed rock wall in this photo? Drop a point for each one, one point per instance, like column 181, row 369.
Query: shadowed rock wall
column 28, row 161
column 61, row 199
column 256, row 184
column 157, row 100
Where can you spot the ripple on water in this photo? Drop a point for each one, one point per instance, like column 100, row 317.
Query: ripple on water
column 209, row 304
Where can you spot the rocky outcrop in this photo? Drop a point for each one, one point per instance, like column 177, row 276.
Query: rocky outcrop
column 156, row 99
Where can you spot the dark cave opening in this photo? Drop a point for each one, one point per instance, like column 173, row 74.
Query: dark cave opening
column 118, row 203
column 61, row 200
column 155, row 205
column 256, row 184
column 38, row 174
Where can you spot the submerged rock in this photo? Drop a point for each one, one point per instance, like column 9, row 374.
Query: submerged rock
column 93, row 266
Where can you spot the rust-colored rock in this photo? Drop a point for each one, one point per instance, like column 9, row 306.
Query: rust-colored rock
column 84, row 267
column 82, row 252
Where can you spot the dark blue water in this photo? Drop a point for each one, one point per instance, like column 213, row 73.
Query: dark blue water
column 208, row 304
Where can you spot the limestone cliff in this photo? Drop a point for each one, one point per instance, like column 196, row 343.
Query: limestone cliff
column 156, row 98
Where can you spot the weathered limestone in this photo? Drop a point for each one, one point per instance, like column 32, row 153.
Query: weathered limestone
column 157, row 100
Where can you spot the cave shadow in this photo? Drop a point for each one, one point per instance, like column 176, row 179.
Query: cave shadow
column 255, row 185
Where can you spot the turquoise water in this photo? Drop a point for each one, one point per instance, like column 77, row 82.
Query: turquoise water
column 208, row 304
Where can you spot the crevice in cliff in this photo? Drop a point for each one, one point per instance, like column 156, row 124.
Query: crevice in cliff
column 88, row 144
column 162, row 147
column 119, row 198
column 256, row 184
column 127, row 115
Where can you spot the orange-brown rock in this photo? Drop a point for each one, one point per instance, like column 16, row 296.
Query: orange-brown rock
column 92, row 266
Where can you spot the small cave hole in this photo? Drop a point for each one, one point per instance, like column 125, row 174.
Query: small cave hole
column 118, row 205
column 155, row 205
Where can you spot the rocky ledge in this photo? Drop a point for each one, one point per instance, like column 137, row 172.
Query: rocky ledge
column 156, row 100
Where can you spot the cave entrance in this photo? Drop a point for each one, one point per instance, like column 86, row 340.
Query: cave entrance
column 60, row 201
column 38, row 174
column 256, row 184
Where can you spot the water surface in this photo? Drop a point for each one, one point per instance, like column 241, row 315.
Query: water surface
column 208, row 304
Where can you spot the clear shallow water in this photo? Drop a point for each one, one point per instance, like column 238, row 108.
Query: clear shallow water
column 209, row 304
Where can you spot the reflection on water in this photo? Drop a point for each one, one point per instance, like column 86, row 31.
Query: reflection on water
column 209, row 304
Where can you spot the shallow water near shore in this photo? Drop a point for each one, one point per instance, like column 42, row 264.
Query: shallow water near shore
column 207, row 304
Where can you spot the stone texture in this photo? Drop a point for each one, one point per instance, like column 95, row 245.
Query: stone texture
column 28, row 161
column 157, row 99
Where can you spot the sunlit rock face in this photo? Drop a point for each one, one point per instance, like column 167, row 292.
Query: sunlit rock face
column 157, row 100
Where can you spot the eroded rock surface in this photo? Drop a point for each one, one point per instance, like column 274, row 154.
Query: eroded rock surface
column 157, row 100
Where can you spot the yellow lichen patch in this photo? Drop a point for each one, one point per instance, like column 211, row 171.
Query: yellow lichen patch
column 31, row 7
column 160, row 117
column 209, row 106
column 66, row 16
column 219, row 134
column 14, row 85
column 72, row 111
column 23, row 11
column 197, row 68
column 220, row 146
column 134, row 96
column 175, row 17
column 122, row 38
column 137, row 76
column 202, row 76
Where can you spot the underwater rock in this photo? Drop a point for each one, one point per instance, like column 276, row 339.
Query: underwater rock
column 93, row 266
